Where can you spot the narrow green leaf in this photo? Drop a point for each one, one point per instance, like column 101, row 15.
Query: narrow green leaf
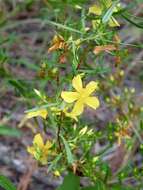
column 6, row 184
column 41, row 107
column 71, row 182
column 75, row 57
column 137, row 24
column 68, row 151
column 18, row 86
column 8, row 131
column 109, row 12
column 44, row 22
column 95, row 71
column 54, row 162
column 62, row 26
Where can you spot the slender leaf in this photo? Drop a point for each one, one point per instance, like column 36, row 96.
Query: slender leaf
column 68, row 151
column 54, row 162
column 75, row 57
column 62, row 26
column 8, row 131
column 6, row 184
column 41, row 107
column 109, row 12
column 18, row 86
column 127, row 18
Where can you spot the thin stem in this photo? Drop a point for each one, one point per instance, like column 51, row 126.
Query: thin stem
column 58, row 132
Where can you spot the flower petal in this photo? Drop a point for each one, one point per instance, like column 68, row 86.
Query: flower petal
column 48, row 145
column 113, row 22
column 71, row 115
column 69, row 97
column 95, row 9
column 42, row 112
column 31, row 150
column 78, row 108
column 77, row 83
column 91, row 87
column 38, row 141
column 93, row 102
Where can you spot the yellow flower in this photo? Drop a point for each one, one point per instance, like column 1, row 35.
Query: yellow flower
column 81, row 96
column 42, row 113
column 98, row 10
column 39, row 150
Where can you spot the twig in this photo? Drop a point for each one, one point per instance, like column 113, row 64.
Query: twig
column 25, row 179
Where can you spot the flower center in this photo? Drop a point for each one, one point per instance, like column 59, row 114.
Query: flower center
column 83, row 94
